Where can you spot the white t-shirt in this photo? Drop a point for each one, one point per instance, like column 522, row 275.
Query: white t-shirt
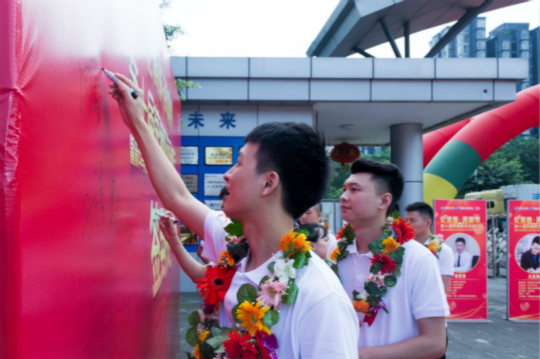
column 462, row 261
column 446, row 259
column 418, row 294
column 320, row 324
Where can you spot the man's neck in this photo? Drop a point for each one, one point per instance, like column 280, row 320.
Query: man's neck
column 264, row 233
column 422, row 238
column 368, row 232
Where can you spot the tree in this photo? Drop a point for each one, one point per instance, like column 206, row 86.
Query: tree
column 514, row 163
column 171, row 31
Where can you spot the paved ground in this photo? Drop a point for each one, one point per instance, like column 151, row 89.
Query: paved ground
column 498, row 338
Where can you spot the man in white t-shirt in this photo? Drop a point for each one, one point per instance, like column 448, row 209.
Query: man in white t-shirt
column 414, row 326
column 420, row 215
column 281, row 171
column 462, row 258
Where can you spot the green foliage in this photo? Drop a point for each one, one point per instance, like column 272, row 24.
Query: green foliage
column 246, row 293
column 182, row 85
column 514, row 163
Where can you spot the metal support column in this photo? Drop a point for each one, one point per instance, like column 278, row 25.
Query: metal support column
column 389, row 36
column 406, row 37
column 407, row 153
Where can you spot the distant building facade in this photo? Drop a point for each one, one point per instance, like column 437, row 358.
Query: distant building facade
column 515, row 40
column 507, row 40
column 470, row 42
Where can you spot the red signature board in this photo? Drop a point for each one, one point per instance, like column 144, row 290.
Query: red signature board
column 84, row 270
column 523, row 260
column 463, row 225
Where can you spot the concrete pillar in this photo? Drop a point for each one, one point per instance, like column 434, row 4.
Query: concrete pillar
column 407, row 154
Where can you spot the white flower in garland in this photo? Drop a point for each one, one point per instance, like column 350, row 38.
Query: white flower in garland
column 284, row 270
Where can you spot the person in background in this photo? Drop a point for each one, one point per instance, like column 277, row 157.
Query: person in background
column 313, row 215
column 413, row 322
column 318, row 236
column 420, row 215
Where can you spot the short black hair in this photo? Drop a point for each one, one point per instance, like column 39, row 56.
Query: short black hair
column 297, row 153
column 423, row 208
column 536, row 240
column 387, row 178
column 313, row 231
column 461, row 239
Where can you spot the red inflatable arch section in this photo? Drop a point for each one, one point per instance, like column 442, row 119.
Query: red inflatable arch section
column 84, row 271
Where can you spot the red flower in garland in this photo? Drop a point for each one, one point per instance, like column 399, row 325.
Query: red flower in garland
column 240, row 346
column 388, row 264
column 403, row 229
column 215, row 284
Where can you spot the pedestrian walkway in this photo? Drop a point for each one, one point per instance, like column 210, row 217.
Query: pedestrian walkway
column 498, row 338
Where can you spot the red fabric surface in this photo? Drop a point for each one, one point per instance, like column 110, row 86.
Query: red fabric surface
column 84, row 272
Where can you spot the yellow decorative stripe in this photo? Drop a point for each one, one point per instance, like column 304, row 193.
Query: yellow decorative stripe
column 436, row 187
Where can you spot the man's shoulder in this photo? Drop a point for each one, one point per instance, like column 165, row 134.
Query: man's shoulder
column 319, row 280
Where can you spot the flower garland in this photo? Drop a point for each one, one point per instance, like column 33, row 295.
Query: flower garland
column 385, row 265
column 257, row 309
column 435, row 243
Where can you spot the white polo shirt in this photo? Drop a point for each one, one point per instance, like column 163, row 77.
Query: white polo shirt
column 320, row 324
column 418, row 294
column 446, row 260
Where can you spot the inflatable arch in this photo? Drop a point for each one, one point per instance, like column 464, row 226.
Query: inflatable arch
column 472, row 142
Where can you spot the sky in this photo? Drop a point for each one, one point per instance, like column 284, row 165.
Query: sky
column 286, row 28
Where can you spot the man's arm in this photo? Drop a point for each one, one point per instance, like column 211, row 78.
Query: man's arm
column 191, row 267
column 430, row 343
column 446, row 280
column 165, row 179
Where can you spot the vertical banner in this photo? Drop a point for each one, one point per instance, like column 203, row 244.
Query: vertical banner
column 523, row 260
column 463, row 225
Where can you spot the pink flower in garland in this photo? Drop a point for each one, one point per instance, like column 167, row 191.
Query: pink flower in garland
column 271, row 293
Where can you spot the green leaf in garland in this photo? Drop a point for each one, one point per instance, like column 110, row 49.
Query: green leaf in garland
column 235, row 313
column 246, row 293
column 235, row 228
column 270, row 318
column 215, row 331
column 194, row 318
column 207, row 351
column 271, row 267
column 390, row 280
column 299, row 260
column 291, row 293
column 397, row 272
column 192, row 337
column 376, row 267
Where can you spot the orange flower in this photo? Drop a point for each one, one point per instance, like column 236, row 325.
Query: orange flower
column 251, row 316
column 361, row 306
column 335, row 253
column 204, row 335
column 390, row 245
column 433, row 246
column 293, row 243
column 225, row 259
column 197, row 352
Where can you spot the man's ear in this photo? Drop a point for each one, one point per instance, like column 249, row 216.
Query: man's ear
column 386, row 200
column 271, row 182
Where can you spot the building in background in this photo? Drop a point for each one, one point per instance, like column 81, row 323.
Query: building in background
column 506, row 40
column 514, row 40
column 470, row 42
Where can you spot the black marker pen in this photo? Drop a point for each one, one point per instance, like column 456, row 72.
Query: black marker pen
column 115, row 79
column 174, row 220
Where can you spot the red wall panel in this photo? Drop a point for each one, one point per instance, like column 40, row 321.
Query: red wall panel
column 85, row 271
